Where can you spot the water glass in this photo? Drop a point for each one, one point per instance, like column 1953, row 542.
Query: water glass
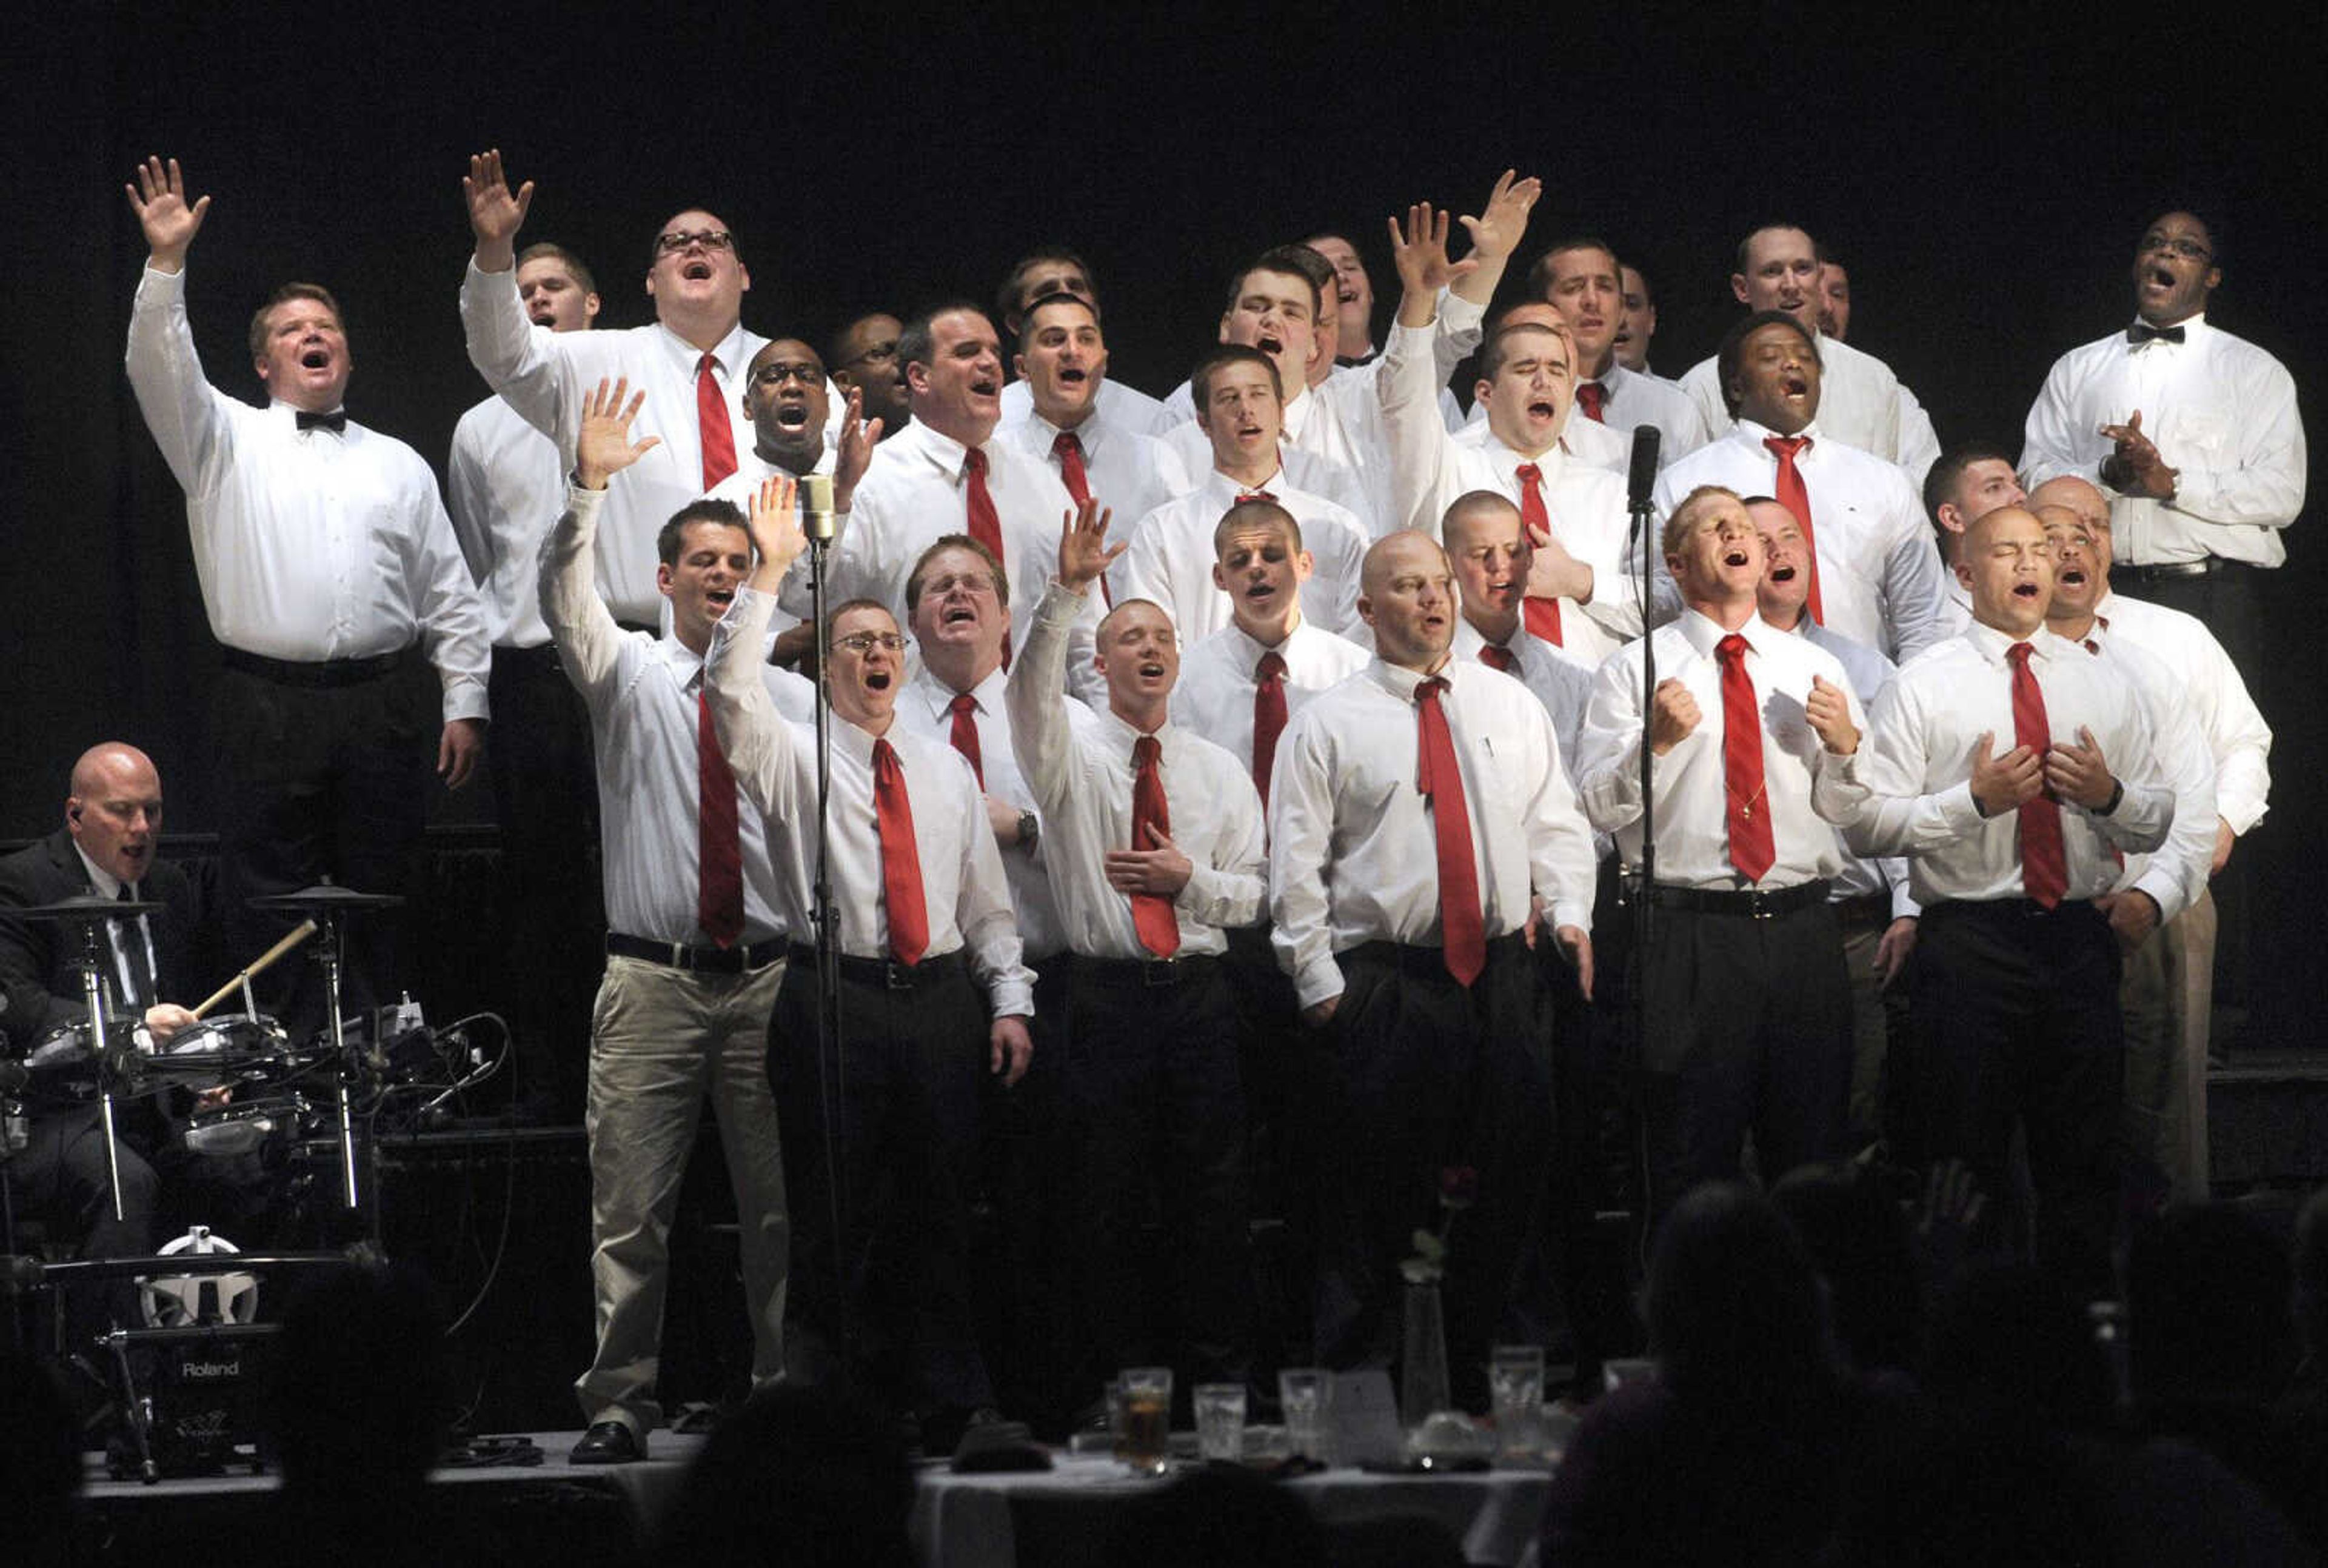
column 1515, row 1382
column 1306, row 1392
column 1220, row 1422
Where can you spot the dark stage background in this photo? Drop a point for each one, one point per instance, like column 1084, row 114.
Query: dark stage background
column 1983, row 173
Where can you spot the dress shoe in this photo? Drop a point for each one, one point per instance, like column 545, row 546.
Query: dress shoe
column 608, row 1442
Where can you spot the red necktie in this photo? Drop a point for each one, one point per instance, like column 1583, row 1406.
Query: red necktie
column 1792, row 495
column 1069, row 451
column 1496, row 657
column 1151, row 913
column 964, row 708
column 1462, row 928
column 901, row 863
column 1543, row 615
column 718, row 847
column 711, row 415
column 1245, row 495
column 1591, row 397
column 2045, row 865
column 1268, row 716
column 1751, row 846
column 985, row 523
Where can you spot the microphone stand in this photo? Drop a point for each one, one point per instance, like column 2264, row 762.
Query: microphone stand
column 1639, row 482
column 832, row 1080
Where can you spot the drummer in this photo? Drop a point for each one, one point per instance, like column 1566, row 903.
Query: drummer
column 108, row 846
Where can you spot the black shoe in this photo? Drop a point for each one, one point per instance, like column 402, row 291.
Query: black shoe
column 608, row 1442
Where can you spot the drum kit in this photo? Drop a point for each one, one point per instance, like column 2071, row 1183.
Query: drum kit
column 250, row 1081
column 251, row 1085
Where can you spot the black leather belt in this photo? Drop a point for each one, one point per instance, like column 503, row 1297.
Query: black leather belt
column 887, row 974
column 1143, row 973
column 1760, row 903
column 701, row 960
column 1412, row 958
column 322, row 673
column 2164, row 571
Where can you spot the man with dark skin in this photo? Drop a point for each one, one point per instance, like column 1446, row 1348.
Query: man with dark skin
column 864, row 356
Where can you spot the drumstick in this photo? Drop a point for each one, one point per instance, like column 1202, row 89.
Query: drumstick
column 306, row 929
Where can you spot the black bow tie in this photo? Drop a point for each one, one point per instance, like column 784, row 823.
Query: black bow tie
column 2142, row 332
column 337, row 424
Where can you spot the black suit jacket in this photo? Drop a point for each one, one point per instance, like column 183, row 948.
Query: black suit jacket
column 40, row 964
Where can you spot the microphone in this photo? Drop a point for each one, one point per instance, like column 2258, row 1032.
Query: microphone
column 816, row 508
column 1642, row 477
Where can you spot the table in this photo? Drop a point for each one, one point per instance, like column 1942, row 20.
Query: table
column 966, row 1521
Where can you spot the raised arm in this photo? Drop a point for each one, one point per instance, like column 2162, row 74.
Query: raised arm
column 580, row 626
column 495, row 212
column 181, row 407
column 1041, row 735
column 518, row 360
column 1495, row 234
column 1408, row 380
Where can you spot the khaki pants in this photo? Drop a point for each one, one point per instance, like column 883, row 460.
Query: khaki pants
column 2166, row 996
column 660, row 1038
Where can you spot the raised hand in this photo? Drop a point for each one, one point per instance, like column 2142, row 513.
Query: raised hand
column 2080, row 772
column 1497, row 231
column 1419, row 250
column 854, row 453
column 777, row 535
column 1083, row 551
column 495, row 215
column 602, row 447
column 1674, row 716
column 2135, row 467
column 159, row 200
column 1830, row 715
column 2001, row 783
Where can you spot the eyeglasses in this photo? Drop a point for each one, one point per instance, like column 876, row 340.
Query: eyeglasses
column 2182, row 245
column 866, row 642
column 938, row 587
column 679, row 239
column 879, row 354
column 776, row 374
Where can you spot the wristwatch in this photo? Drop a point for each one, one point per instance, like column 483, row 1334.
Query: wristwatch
column 1030, row 829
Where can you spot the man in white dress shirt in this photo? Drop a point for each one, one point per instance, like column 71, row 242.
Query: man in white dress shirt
column 1354, row 300
column 1238, row 688
column 1876, row 577
column 1640, row 321
column 2193, row 433
column 1489, row 548
column 505, row 484
column 1416, row 811
column 1867, row 408
column 1154, row 850
column 2015, row 1003
column 2169, row 985
column 328, row 570
column 957, row 598
column 1039, row 275
column 933, row 994
column 1835, row 298
column 1070, row 428
column 694, row 944
column 689, row 363
column 1582, row 280
column 1874, row 911
column 1748, row 1026
column 1168, row 551
column 1582, row 596
column 949, row 472
column 863, row 356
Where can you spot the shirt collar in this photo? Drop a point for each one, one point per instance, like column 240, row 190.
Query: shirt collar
column 107, row 884
column 1401, row 681
column 1993, row 644
column 1753, row 435
column 728, row 353
column 2194, row 327
column 1091, row 435
column 1118, row 737
column 945, row 453
column 1704, row 632
column 1249, row 649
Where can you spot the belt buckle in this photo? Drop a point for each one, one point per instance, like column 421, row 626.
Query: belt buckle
column 1759, row 904
column 1160, row 972
column 896, row 976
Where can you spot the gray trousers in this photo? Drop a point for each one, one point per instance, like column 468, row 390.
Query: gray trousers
column 662, row 1038
column 2166, row 995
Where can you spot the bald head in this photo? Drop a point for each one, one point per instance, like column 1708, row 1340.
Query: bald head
column 1407, row 594
column 115, row 810
column 2079, row 495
